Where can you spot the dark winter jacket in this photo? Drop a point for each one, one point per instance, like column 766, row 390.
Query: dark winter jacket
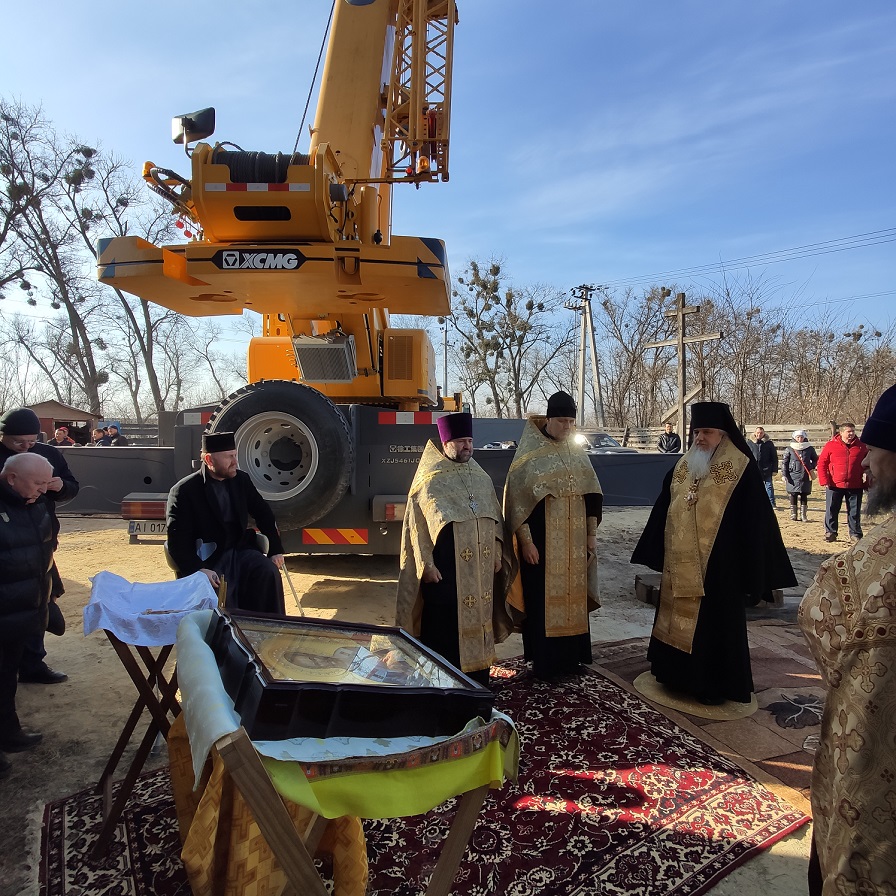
column 27, row 543
column 840, row 465
column 766, row 456
column 669, row 443
column 796, row 477
column 193, row 514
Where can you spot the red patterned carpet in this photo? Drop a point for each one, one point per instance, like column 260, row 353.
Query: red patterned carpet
column 612, row 798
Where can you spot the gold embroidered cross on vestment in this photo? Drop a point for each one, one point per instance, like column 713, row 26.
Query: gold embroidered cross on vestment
column 721, row 472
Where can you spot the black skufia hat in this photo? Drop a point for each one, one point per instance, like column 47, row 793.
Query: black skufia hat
column 212, row 442
column 880, row 428
column 561, row 404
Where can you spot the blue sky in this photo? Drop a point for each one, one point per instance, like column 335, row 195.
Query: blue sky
column 592, row 142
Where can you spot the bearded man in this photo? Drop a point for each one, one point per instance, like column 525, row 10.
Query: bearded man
column 208, row 514
column 848, row 616
column 456, row 558
column 713, row 535
column 554, row 504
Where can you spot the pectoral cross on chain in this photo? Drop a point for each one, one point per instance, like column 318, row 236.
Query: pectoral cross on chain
column 691, row 496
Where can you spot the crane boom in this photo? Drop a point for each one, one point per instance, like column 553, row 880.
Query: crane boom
column 306, row 240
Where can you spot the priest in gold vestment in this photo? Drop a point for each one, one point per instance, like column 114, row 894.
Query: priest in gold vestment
column 553, row 504
column 848, row 616
column 714, row 536
column 456, row 561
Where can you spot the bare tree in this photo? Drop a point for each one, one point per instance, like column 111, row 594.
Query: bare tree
column 508, row 337
column 45, row 173
column 116, row 203
column 640, row 381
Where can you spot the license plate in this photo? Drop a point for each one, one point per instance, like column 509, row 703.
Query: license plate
column 147, row 527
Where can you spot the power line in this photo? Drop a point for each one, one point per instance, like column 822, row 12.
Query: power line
column 869, row 295
column 858, row 241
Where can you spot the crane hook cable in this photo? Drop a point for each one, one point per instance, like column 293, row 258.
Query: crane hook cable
column 323, row 44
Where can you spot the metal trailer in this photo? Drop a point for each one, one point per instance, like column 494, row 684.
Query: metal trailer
column 134, row 482
column 388, row 445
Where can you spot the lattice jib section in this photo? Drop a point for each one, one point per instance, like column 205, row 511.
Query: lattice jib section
column 419, row 94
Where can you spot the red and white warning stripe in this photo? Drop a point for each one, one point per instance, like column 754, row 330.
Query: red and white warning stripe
column 257, row 188
column 409, row 417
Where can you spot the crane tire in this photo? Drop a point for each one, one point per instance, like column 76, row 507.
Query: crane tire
column 294, row 443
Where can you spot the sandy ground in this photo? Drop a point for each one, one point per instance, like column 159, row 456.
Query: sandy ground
column 81, row 718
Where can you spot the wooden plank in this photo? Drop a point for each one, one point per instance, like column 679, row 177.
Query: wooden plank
column 250, row 776
column 456, row 842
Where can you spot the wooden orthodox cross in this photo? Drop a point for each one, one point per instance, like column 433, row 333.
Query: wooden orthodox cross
column 678, row 311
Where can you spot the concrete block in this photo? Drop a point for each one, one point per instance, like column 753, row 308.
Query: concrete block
column 647, row 588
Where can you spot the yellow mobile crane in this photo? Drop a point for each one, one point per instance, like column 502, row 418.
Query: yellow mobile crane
column 306, row 241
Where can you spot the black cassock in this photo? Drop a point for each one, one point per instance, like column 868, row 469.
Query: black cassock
column 747, row 562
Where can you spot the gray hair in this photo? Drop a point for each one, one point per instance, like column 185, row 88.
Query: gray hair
column 24, row 463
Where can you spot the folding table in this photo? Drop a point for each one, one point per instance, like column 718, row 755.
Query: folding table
column 282, row 789
column 140, row 621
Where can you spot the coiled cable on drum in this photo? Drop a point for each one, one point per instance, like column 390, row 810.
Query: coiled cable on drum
column 258, row 167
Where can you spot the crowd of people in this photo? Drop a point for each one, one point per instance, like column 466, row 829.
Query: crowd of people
column 475, row 567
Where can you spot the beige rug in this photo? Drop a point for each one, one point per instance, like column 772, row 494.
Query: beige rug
column 646, row 685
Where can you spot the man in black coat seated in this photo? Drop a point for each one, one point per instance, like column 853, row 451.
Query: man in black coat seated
column 713, row 535
column 27, row 542
column 208, row 514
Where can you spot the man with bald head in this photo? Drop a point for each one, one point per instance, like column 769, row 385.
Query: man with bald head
column 20, row 433
column 27, row 541
column 713, row 535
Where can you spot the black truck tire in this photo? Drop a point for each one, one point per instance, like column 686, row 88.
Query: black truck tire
column 294, row 443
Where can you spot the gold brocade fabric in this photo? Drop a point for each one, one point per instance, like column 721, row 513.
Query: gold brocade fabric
column 225, row 854
column 695, row 513
column 441, row 494
column 560, row 474
column 848, row 616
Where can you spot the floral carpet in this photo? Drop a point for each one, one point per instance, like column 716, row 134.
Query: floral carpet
column 612, row 798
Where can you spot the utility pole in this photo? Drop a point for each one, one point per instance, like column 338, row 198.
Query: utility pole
column 444, row 322
column 678, row 311
column 586, row 334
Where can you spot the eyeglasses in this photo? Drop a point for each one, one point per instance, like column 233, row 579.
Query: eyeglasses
column 23, row 442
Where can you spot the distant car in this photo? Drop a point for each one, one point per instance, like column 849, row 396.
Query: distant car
column 507, row 443
column 601, row 443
